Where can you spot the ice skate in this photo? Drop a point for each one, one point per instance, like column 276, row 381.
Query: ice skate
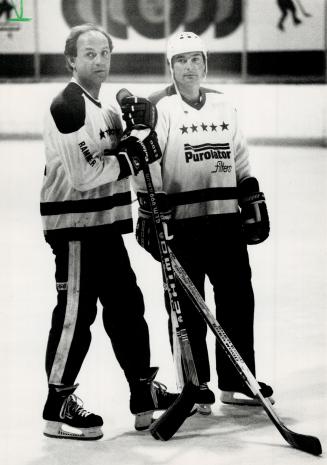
column 147, row 396
column 66, row 418
column 243, row 396
column 204, row 399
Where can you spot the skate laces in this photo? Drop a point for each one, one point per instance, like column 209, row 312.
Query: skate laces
column 73, row 405
column 158, row 388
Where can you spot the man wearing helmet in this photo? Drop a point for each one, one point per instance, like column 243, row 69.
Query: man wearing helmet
column 213, row 208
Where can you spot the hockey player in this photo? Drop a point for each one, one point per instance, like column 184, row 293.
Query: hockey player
column 213, row 208
column 85, row 208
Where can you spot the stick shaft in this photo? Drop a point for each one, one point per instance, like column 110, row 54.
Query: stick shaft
column 309, row 444
column 170, row 281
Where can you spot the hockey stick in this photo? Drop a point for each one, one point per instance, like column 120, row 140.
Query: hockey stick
column 303, row 442
column 171, row 420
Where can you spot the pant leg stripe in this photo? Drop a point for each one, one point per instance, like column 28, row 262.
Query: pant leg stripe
column 74, row 270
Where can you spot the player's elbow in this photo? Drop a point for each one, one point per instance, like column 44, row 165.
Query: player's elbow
column 79, row 184
column 81, row 187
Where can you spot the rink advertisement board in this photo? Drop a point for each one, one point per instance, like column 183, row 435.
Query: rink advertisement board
column 228, row 27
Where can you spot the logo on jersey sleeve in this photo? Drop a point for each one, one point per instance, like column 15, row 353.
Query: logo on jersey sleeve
column 87, row 154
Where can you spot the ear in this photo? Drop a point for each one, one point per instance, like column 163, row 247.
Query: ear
column 71, row 61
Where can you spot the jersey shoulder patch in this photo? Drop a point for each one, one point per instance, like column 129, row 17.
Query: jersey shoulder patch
column 68, row 109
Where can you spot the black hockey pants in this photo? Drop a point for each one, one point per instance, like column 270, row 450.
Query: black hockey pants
column 88, row 271
column 214, row 247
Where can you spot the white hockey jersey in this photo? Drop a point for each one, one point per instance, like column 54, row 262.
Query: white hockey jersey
column 85, row 188
column 205, row 155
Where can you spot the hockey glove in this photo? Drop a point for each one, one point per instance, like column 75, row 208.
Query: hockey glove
column 254, row 214
column 137, row 153
column 139, row 111
column 145, row 229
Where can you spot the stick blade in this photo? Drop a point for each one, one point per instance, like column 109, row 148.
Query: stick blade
column 309, row 444
column 171, row 420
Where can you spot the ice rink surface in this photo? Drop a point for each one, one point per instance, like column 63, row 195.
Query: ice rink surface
column 289, row 277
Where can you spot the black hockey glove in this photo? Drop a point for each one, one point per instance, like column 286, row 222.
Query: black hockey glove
column 137, row 153
column 254, row 213
column 145, row 229
column 139, row 111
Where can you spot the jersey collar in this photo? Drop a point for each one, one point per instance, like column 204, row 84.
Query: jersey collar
column 196, row 105
column 95, row 101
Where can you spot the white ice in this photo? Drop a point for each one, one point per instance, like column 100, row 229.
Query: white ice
column 289, row 277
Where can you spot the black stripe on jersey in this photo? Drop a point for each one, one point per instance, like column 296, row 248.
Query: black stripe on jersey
column 203, row 195
column 77, row 234
column 200, row 148
column 87, row 205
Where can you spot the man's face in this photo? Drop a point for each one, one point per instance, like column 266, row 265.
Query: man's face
column 189, row 68
column 92, row 63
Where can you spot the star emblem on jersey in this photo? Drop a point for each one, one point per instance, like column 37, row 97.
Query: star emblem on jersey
column 194, row 127
column 111, row 132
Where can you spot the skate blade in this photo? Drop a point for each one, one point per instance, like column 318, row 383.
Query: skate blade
column 204, row 409
column 237, row 398
column 143, row 420
column 54, row 429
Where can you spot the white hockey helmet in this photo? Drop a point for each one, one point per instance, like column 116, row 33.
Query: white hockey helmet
column 184, row 42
